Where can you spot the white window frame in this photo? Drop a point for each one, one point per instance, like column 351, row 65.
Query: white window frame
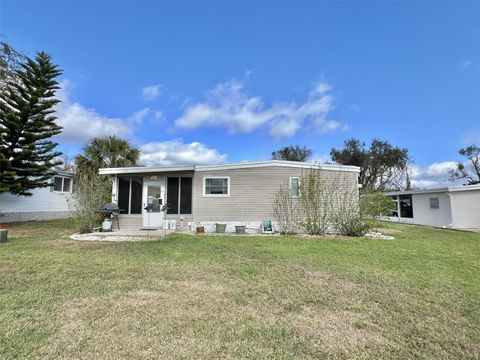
column 63, row 184
column 216, row 177
column 290, row 186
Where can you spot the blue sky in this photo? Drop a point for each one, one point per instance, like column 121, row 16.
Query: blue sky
column 213, row 82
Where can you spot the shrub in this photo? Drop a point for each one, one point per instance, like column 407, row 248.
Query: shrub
column 91, row 193
column 350, row 221
column 347, row 218
column 316, row 202
column 374, row 204
column 356, row 218
column 285, row 210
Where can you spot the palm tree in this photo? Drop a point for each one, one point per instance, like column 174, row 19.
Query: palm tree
column 108, row 151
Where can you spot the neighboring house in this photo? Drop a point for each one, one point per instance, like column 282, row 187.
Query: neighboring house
column 232, row 194
column 47, row 203
column 450, row 207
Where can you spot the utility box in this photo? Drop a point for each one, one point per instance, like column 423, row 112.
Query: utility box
column 3, row 235
column 107, row 225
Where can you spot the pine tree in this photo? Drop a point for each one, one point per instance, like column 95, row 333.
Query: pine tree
column 27, row 123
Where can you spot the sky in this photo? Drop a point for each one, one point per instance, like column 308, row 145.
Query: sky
column 213, row 82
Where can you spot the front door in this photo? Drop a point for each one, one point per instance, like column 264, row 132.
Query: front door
column 153, row 200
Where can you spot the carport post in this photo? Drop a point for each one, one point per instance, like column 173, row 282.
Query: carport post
column 399, row 208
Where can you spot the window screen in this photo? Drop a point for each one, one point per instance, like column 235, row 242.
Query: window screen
column 66, row 184
column 216, row 186
column 136, row 196
column 123, row 194
column 57, row 183
column 406, row 206
column 172, row 195
column 434, row 203
column 186, row 195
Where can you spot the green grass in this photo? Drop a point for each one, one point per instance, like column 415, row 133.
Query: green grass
column 190, row 297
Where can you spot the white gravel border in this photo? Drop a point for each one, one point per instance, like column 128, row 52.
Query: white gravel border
column 110, row 238
column 377, row 235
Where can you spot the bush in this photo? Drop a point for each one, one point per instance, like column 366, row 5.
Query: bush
column 374, row 204
column 357, row 218
column 347, row 218
column 316, row 202
column 328, row 203
column 285, row 210
column 91, row 193
column 350, row 221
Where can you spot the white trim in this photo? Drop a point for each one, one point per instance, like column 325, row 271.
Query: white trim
column 437, row 190
column 232, row 166
column 216, row 195
column 143, row 170
column 290, row 186
column 281, row 163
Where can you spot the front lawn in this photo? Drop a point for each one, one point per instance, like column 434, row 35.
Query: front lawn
column 190, row 297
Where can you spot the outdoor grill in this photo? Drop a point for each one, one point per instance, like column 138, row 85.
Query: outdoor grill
column 111, row 211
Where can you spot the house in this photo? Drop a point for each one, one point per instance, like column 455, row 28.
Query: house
column 232, row 194
column 449, row 207
column 45, row 203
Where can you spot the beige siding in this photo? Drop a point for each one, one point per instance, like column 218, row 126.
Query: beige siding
column 252, row 191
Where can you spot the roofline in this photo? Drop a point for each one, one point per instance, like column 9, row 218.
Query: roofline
column 231, row 166
column 436, row 190
column 62, row 173
column 144, row 169
column 282, row 163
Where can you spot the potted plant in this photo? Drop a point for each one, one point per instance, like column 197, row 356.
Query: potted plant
column 220, row 228
column 240, row 229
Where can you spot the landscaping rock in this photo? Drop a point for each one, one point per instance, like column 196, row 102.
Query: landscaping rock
column 377, row 235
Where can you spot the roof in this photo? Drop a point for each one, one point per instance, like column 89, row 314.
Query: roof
column 436, row 190
column 231, row 166
column 62, row 173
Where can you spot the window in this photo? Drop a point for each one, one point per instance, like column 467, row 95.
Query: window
column 130, row 195
column 406, row 206
column 67, row 183
column 62, row 184
column 434, row 203
column 179, row 195
column 216, row 186
column 294, row 188
column 57, row 183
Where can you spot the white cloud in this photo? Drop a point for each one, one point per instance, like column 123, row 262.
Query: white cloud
column 151, row 92
column 158, row 117
column 139, row 116
column 176, row 152
column 228, row 106
column 433, row 175
column 81, row 124
column 466, row 63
